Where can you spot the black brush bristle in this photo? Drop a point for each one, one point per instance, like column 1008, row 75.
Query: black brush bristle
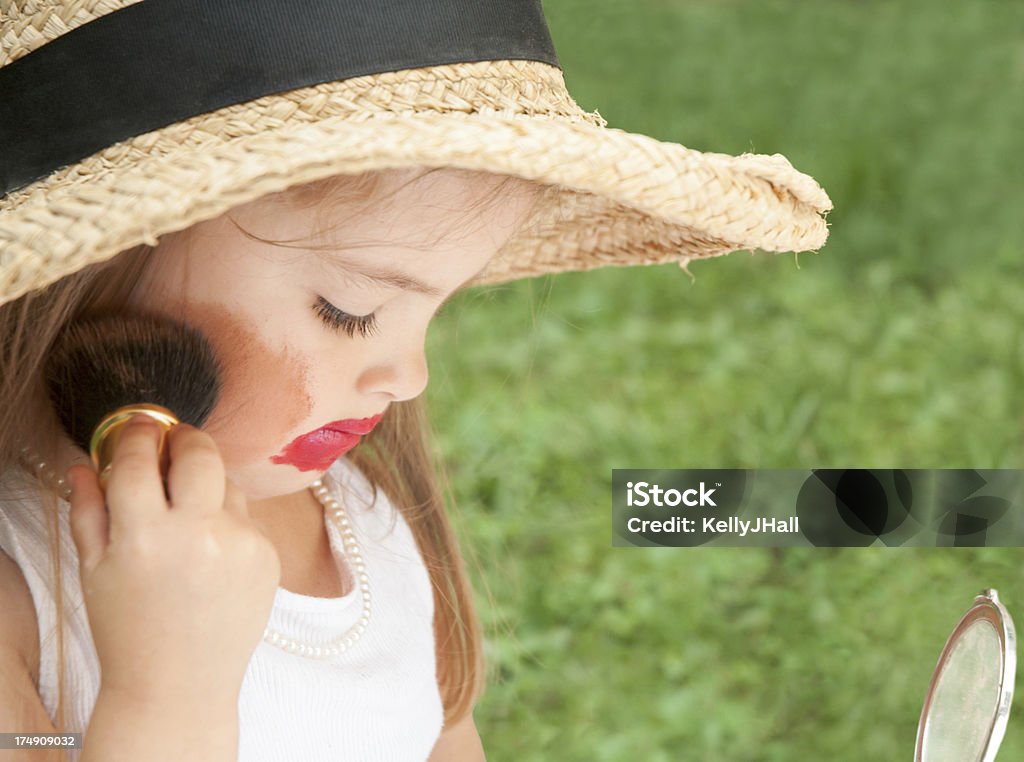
column 102, row 363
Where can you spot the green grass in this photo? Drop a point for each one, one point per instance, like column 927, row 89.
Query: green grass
column 900, row 344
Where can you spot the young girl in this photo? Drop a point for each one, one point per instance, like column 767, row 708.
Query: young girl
column 307, row 189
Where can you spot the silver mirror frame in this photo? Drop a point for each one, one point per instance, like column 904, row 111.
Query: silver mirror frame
column 987, row 607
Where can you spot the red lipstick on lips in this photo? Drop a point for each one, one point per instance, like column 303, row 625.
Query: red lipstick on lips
column 317, row 450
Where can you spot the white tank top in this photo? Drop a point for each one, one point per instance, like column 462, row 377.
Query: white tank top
column 379, row 700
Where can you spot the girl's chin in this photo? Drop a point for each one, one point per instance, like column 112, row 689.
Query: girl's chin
column 285, row 492
column 273, row 483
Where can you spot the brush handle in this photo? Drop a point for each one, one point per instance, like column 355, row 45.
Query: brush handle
column 108, row 432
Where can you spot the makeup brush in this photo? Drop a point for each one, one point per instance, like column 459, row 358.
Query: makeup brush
column 103, row 370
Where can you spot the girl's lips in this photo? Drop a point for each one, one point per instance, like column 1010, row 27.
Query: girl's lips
column 353, row 425
column 317, row 450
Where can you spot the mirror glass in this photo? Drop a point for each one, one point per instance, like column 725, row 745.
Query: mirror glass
column 968, row 700
column 965, row 698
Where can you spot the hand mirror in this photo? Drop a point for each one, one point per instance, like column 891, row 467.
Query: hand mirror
column 968, row 700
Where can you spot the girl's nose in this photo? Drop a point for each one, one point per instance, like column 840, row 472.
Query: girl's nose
column 403, row 374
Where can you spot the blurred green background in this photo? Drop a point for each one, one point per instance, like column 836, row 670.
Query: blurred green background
column 899, row 344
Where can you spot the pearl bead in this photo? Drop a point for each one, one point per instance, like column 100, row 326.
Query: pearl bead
column 44, row 469
column 331, row 506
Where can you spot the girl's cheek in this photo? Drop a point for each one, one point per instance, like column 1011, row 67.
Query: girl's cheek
column 265, row 397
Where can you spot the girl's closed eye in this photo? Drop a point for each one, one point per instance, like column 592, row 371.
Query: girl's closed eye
column 366, row 325
column 337, row 320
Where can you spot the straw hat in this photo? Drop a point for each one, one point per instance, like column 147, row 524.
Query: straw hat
column 121, row 121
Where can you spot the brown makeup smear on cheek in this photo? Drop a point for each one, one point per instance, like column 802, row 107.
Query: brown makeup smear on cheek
column 263, row 395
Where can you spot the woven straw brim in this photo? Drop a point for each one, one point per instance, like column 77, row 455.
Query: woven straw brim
column 620, row 198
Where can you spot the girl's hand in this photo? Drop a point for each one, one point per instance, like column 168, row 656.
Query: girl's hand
column 178, row 592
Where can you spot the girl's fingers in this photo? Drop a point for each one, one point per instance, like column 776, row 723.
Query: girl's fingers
column 88, row 517
column 195, row 477
column 135, row 490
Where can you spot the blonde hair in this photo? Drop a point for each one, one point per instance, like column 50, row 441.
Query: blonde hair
column 395, row 457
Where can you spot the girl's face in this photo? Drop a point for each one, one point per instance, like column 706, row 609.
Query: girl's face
column 277, row 317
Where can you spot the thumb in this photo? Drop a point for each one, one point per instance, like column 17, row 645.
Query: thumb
column 88, row 517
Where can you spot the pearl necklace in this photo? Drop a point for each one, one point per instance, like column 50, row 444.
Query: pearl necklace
column 343, row 643
column 274, row 638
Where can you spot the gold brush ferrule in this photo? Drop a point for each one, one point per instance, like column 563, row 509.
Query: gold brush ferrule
column 108, row 432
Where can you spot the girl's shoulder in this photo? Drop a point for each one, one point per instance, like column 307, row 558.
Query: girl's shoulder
column 24, row 563
column 20, row 696
column 19, row 628
column 379, row 521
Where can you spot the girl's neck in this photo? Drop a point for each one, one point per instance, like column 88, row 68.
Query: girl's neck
column 293, row 519
column 295, row 525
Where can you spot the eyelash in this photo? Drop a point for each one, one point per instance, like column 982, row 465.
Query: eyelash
column 337, row 320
